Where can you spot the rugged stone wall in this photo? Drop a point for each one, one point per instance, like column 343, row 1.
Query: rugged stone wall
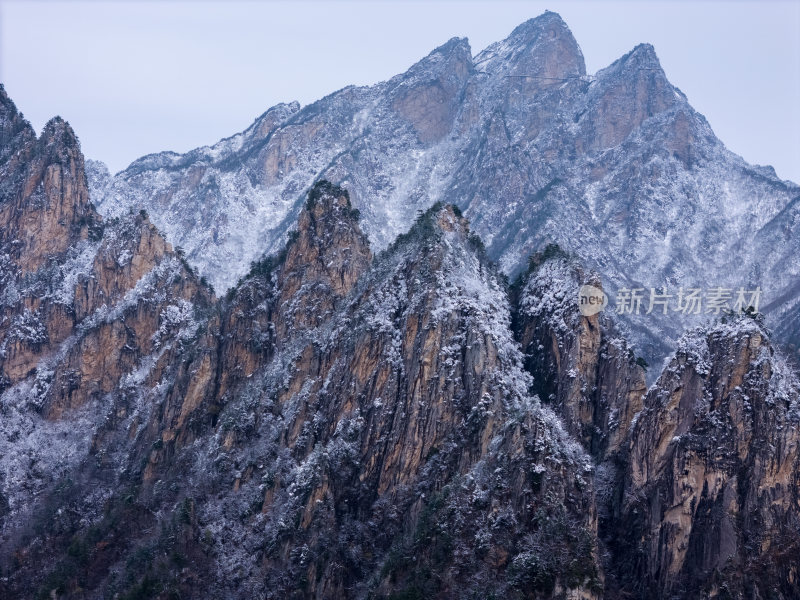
column 373, row 446
column 95, row 318
column 696, row 478
column 711, row 490
column 82, row 300
column 348, row 426
column 580, row 364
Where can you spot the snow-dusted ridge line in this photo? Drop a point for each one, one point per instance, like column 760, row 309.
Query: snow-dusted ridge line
column 616, row 167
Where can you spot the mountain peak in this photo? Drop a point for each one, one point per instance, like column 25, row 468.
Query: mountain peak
column 534, row 24
column 452, row 57
column 328, row 252
column 7, row 106
column 438, row 230
column 454, row 45
column 59, row 144
column 644, row 56
column 631, row 90
column 429, row 93
column 410, row 426
column 59, row 130
column 449, row 218
column 542, row 47
column 327, row 200
column 12, row 124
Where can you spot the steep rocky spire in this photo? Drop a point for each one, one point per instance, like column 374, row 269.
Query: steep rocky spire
column 15, row 131
column 324, row 259
column 542, row 48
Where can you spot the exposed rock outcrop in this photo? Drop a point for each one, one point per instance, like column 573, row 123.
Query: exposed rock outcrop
column 297, row 289
column 385, row 440
column 697, row 481
column 82, row 299
column 580, row 364
column 377, row 413
column 348, row 426
column 94, row 316
column 711, row 498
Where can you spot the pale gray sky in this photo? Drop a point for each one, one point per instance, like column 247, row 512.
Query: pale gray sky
column 139, row 77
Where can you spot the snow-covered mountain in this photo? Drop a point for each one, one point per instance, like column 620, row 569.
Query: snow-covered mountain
column 348, row 425
column 616, row 167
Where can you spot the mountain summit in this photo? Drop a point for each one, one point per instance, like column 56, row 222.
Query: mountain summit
column 541, row 48
column 614, row 166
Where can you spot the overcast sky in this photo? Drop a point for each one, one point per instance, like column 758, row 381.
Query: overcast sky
column 141, row 77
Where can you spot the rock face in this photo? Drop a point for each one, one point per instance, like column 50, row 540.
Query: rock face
column 299, row 288
column 343, row 425
column 325, row 259
column 47, row 208
column 67, row 275
column 615, row 167
column 335, row 427
column 711, row 490
column 398, row 431
column 696, row 479
column 92, row 313
column 579, row 363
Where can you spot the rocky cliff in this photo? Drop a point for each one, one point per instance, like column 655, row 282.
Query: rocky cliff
column 580, row 363
column 347, row 425
column 336, row 426
column 710, row 493
column 395, row 434
column 95, row 317
column 695, row 478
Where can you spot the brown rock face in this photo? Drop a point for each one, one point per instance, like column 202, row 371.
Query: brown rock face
column 543, row 54
column 93, row 317
column 82, row 300
column 298, row 289
column 638, row 90
column 711, row 502
column 44, row 210
column 361, row 447
column 580, row 364
column 45, row 203
column 325, row 259
column 343, row 426
column 406, row 406
column 697, row 494
column 431, row 105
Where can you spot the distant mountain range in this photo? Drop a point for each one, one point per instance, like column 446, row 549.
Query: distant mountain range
column 615, row 167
